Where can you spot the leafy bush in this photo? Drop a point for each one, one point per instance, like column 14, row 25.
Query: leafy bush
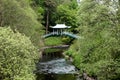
column 17, row 56
column 20, row 16
column 99, row 52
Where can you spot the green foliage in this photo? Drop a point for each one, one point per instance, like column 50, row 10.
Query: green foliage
column 67, row 14
column 50, row 4
column 17, row 56
column 20, row 16
column 98, row 53
column 66, row 40
column 52, row 41
column 57, row 40
column 60, row 11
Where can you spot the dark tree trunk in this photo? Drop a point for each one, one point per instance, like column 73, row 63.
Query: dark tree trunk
column 118, row 13
column 0, row 15
column 0, row 19
column 119, row 3
column 47, row 22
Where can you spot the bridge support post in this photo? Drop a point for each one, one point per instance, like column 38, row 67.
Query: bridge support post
column 61, row 32
column 57, row 32
column 53, row 32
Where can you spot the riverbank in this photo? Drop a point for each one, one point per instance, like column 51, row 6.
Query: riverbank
column 84, row 74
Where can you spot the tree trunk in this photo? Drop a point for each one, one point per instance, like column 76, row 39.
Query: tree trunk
column 0, row 19
column 119, row 3
column 47, row 21
column 118, row 13
column 0, row 15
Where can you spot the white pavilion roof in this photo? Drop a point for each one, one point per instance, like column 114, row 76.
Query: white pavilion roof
column 60, row 26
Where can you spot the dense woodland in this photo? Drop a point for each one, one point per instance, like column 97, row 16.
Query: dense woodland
column 23, row 22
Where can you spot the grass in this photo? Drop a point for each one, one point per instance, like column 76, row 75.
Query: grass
column 53, row 41
column 53, row 50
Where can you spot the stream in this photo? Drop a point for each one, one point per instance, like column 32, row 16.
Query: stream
column 55, row 67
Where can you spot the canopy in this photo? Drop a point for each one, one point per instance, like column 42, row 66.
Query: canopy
column 60, row 26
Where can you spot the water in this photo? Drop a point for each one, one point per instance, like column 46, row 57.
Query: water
column 55, row 68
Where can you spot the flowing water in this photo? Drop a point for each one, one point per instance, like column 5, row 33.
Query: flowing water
column 55, row 67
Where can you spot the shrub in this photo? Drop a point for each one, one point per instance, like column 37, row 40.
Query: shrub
column 19, row 15
column 17, row 56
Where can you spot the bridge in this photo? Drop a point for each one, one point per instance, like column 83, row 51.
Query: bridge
column 55, row 47
column 63, row 33
column 59, row 30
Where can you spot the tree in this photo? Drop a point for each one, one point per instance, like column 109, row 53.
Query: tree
column 59, row 11
column 66, row 13
column 17, row 59
column 67, row 16
column 50, row 6
column 98, row 52
column 20, row 16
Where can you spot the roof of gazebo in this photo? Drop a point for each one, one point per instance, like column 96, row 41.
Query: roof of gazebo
column 60, row 26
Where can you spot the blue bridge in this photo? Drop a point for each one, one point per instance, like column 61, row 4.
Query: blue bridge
column 59, row 30
column 63, row 33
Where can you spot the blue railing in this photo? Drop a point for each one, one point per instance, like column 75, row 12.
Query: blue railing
column 70, row 34
column 63, row 33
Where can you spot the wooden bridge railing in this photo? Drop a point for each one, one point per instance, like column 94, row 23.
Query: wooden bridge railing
column 55, row 47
